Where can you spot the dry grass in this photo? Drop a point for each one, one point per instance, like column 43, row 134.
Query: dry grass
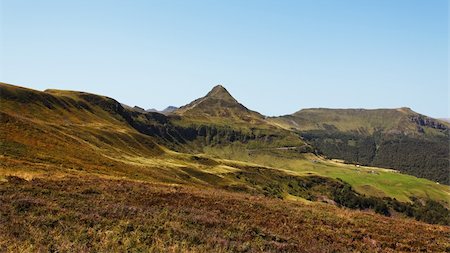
column 90, row 214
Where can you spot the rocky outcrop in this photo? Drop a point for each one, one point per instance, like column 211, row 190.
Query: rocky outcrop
column 424, row 121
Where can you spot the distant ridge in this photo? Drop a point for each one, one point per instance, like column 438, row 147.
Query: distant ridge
column 366, row 121
column 169, row 109
column 166, row 111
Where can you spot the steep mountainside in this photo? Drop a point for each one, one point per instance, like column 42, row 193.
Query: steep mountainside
column 221, row 120
column 219, row 103
column 393, row 138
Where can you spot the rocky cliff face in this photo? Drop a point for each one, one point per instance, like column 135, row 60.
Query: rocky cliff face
column 424, row 121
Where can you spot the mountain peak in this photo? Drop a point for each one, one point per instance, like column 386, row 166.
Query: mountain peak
column 219, row 92
column 218, row 87
column 218, row 103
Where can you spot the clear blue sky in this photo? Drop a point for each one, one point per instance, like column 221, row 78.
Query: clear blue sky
column 275, row 57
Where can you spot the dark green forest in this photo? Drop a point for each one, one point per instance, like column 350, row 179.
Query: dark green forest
column 420, row 157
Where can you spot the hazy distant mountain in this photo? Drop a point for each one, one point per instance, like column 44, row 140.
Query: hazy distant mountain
column 169, row 109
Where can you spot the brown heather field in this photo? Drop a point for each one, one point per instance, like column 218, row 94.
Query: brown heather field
column 94, row 214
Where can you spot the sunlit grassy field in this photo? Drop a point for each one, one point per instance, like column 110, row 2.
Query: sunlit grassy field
column 372, row 181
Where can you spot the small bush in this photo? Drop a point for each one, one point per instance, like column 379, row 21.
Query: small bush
column 90, row 191
column 23, row 205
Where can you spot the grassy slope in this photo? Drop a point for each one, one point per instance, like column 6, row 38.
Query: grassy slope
column 46, row 133
column 97, row 214
column 391, row 138
column 366, row 180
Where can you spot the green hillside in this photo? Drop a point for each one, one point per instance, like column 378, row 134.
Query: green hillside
column 218, row 119
column 392, row 138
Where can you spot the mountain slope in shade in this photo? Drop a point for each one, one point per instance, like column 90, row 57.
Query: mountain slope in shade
column 218, row 103
column 395, row 138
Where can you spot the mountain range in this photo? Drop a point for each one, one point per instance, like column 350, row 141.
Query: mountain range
column 386, row 162
column 400, row 138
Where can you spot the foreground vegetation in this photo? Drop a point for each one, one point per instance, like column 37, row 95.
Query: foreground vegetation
column 91, row 214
